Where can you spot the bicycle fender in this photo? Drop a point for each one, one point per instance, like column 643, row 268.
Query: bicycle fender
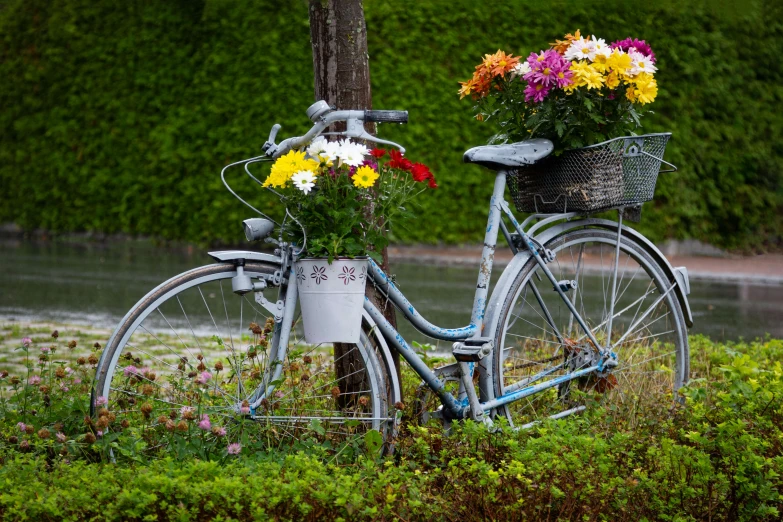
column 233, row 255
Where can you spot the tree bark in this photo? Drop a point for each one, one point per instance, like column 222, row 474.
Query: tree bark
column 341, row 66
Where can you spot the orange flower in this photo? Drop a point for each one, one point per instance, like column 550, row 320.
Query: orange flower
column 477, row 86
column 503, row 63
column 561, row 45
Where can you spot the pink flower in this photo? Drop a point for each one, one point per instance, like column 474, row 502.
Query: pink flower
column 64, row 388
column 279, row 394
column 205, row 424
column 34, row 380
column 234, row 449
column 549, row 69
column 77, row 380
column 203, row 377
column 244, row 410
column 45, row 349
column 220, row 432
column 60, row 436
column 99, row 434
column 26, row 342
column 639, row 45
column 68, row 370
column 101, row 401
column 21, row 426
column 536, row 92
column 186, row 411
column 130, row 371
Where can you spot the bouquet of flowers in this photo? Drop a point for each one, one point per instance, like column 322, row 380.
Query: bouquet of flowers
column 578, row 92
column 344, row 197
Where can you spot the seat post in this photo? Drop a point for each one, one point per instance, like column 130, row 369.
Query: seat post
column 488, row 253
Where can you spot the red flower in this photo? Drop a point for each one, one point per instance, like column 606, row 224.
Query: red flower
column 398, row 161
column 378, row 153
column 420, row 172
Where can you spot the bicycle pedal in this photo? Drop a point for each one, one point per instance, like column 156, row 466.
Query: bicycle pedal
column 472, row 350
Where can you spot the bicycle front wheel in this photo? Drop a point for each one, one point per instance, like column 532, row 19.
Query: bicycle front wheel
column 538, row 338
column 193, row 350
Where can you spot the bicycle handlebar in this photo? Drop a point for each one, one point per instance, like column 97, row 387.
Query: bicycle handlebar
column 323, row 116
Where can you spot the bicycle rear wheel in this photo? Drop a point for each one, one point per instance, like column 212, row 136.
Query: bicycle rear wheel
column 538, row 339
column 192, row 348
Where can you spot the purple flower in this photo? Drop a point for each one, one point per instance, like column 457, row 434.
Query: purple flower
column 204, row 424
column 220, row 432
column 549, row 69
column 68, row 370
column 234, row 449
column 44, row 349
column 244, row 410
column 536, row 92
column 64, row 388
column 130, row 371
column 279, row 394
column 34, row 380
column 26, row 342
column 21, row 426
column 99, row 434
column 186, row 411
column 60, row 436
column 77, row 380
column 203, row 377
column 632, row 43
column 101, row 401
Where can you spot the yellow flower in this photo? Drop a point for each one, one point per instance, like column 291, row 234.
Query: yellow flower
column 585, row 75
column 285, row 167
column 645, row 91
column 620, row 63
column 600, row 63
column 612, row 80
column 365, row 177
column 630, row 94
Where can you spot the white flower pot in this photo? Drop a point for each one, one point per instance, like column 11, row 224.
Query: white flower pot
column 332, row 298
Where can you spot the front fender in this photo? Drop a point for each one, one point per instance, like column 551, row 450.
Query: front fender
column 503, row 286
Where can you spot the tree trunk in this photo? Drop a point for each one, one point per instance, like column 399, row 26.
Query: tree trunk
column 342, row 77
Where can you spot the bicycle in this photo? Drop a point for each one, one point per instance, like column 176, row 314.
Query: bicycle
column 536, row 347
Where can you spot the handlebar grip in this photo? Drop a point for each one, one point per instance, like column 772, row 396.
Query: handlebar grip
column 386, row 116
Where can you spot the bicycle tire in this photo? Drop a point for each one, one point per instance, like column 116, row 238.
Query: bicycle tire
column 130, row 375
column 527, row 344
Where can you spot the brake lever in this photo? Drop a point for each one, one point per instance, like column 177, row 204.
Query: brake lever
column 269, row 147
column 355, row 129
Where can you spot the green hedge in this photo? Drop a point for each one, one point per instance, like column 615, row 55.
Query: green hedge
column 720, row 457
column 117, row 116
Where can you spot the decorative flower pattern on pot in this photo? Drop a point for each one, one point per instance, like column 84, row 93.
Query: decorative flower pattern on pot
column 300, row 274
column 347, row 275
column 363, row 273
column 319, row 274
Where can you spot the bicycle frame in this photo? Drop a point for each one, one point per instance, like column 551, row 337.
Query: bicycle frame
column 516, row 391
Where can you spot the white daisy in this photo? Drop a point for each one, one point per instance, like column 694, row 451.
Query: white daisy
column 352, row 153
column 640, row 63
column 316, row 147
column 304, row 180
column 331, row 151
column 601, row 49
column 520, row 69
column 580, row 50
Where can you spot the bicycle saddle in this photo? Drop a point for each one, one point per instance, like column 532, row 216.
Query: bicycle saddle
column 509, row 156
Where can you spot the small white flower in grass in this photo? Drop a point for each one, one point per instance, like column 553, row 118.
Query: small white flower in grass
column 582, row 49
column 352, row 153
column 520, row 69
column 304, row 180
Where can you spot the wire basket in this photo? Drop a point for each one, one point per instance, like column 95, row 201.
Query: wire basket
column 616, row 173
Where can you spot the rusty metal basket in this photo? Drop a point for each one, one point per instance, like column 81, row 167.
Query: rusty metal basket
column 620, row 172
